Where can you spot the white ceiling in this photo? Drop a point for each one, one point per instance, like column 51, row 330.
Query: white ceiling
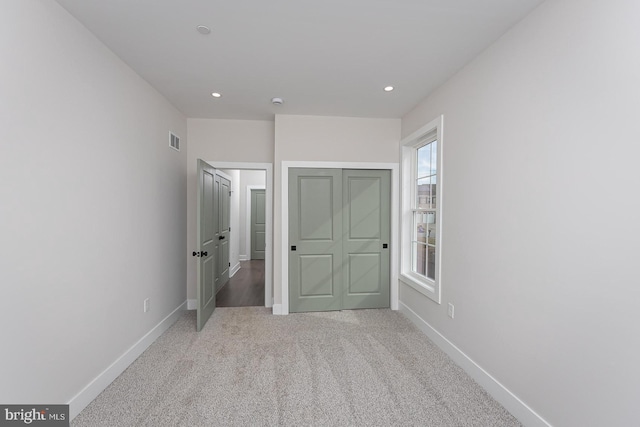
column 323, row 57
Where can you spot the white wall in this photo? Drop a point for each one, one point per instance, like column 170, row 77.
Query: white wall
column 247, row 178
column 92, row 212
column 221, row 141
column 540, row 213
column 326, row 139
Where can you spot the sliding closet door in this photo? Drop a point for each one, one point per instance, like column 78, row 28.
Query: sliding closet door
column 315, row 237
column 366, row 219
column 339, row 231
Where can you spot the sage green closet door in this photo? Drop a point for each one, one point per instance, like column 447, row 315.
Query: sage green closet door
column 339, row 230
column 366, row 224
column 315, row 239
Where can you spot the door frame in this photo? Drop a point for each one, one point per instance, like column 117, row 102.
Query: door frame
column 248, row 216
column 268, row 256
column 284, row 213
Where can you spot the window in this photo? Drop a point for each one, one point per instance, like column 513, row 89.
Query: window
column 421, row 209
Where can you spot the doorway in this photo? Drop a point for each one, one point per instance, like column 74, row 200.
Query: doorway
column 246, row 286
column 260, row 271
column 247, row 273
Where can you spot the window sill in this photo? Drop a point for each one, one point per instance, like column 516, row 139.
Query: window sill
column 425, row 287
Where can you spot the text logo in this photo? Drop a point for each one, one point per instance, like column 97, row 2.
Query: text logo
column 34, row 415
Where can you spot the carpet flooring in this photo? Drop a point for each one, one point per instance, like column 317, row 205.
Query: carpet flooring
column 250, row 368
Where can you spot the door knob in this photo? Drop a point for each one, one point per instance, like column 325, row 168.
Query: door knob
column 221, row 238
column 204, row 253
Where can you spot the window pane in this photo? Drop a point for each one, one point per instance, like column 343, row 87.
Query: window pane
column 430, row 219
column 434, row 158
column 431, row 263
column 424, row 161
column 419, row 258
column 423, row 193
column 433, row 192
column 420, row 223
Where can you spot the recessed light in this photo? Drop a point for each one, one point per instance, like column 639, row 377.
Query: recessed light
column 216, row 95
column 388, row 88
column 203, row 29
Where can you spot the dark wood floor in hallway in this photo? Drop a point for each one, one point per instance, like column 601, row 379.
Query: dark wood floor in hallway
column 245, row 288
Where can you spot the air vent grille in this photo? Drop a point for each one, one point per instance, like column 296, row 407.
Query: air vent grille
column 175, row 142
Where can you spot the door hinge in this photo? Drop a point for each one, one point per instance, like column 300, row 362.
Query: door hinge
column 229, row 264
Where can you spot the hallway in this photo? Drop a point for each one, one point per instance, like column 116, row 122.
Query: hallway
column 245, row 288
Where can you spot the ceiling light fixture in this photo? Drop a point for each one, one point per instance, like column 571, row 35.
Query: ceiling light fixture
column 277, row 101
column 203, row 29
column 388, row 88
column 216, row 95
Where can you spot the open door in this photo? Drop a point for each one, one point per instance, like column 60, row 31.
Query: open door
column 207, row 227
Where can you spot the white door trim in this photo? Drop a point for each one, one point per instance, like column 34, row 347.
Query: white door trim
column 395, row 225
column 222, row 174
column 248, row 217
column 268, row 262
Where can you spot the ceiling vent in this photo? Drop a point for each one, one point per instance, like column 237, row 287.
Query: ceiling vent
column 175, row 142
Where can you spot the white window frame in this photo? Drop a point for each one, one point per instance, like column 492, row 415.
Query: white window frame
column 408, row 153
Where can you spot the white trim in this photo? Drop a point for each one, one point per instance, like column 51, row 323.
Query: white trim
column 395, row 226
column 430, row 288
column 277, row 309
column 192, row 304
column 224, row 175
column 106, row 377
column 233, row 270
column 248, row 218
column 498, row 391
column 268, row 262
column 243, row 258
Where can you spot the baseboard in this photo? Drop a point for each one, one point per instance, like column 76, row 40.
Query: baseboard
column 243, row 258
column 233, row 270
column 277, row 309
column 192, row 304
column 506, row 398
column 102, row 381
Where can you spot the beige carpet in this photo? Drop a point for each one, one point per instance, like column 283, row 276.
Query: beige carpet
column 250, row 368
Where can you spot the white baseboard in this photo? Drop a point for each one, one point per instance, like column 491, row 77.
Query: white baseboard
column 192, row 304
column 277, row 309
column 243, row 258
column 506, row 398
column 102, row 381
column 233, row 270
